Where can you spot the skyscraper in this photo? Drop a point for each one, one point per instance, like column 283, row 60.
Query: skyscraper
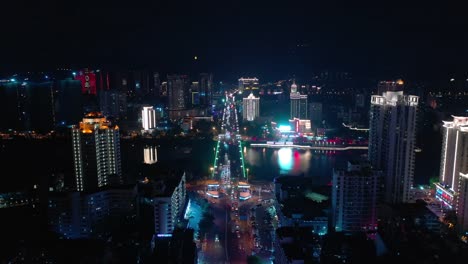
column 168, row 203
column 68, row 103
column 462, row 200
column 96, row 153
column 354, row 198
column 156, row 85
column 177, row 90
column 298, row 104
column 148, row 118
column 391, row 142
column 206, row 88
column 316, row 112
column 454, row 160
column 113, row 104
column 251, row 107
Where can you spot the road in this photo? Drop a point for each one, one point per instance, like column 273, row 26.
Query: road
column 232, row 238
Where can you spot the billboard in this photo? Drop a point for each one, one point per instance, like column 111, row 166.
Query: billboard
column 88, row 81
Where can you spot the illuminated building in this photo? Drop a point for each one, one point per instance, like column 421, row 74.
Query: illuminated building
column 390, row 86
column 96, row 153
column 251, row 107
column 453, row 160
column 300, row 125
column 392, row 142
column 150, row 155
column 177, row 91
column 95, row 214
column 248, row 84
column 169, row 202
column 206, row 89
column 354, row 198
column 88, row 81
column 195, row 93
column 298, row 104
column 462, row 200
column 244, row 191
column 148, row 118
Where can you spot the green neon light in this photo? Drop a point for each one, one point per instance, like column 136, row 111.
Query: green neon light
column 216, row 158
column 242, row 158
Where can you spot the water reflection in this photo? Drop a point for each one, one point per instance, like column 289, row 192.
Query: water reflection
column 268, row 163
column 285, row 160
column 150, row 154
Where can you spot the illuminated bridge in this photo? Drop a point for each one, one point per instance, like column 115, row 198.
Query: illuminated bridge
column 313, row 147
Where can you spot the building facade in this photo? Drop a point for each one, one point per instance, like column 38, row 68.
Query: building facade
column 148, row 118
column 392, row 142
column 206, row 89
column 96, row 214
column 96, row 153
column 354, row 198
column 150, row 154
column 169, row 204
column 113, row 104
column 177, row 91
column 251, row 107
column 454, row 160
column 298, row 104
column 316, row 112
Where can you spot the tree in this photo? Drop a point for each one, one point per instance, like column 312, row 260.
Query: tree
column 433, row 180
column 206, row 223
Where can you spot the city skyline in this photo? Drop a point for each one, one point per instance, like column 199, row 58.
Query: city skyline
column 234, row 132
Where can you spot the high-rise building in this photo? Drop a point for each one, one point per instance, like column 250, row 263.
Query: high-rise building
column 316, row 112
column 96, row 153
column 206, row 88
column 462, row 199
column 354, row 198
column 113, row 104
column 156, row 85
column 298, row 104
column 148, row 118
column 177, row 90
column 251, row 107
column 68, row 103
column 454, row 160
column 150, row 154
column 248, row 84
column 169, row 203
column 392, row 142
column 87, row 78
column 195, row 94
column 96, row 214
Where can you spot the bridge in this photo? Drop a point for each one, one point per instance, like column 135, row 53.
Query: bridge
column 312, row 147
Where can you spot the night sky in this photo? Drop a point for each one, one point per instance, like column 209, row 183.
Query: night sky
column 231, row 38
